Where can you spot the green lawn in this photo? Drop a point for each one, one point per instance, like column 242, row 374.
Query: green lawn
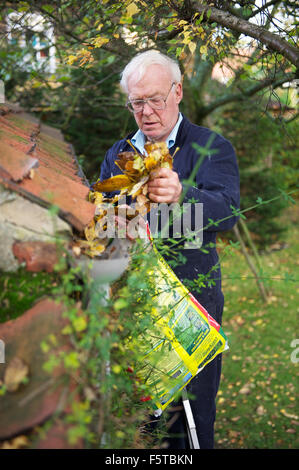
column 19, row 290
column 257, row 406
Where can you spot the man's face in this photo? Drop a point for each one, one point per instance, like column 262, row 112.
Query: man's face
column 156, row 124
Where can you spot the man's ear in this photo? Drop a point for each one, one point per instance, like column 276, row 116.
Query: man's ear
column 179, row 92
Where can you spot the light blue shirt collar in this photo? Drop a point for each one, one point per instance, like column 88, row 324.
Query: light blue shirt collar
column 139, row 139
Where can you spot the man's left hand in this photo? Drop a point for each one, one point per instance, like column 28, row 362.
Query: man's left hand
column 164, row 186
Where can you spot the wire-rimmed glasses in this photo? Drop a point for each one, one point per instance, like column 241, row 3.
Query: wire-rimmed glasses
column 155, row 102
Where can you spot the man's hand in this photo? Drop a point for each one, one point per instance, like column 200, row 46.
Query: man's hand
column 164, row 186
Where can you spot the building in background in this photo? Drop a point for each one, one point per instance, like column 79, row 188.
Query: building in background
column 33, row 32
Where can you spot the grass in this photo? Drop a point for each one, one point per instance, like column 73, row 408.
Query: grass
column 19, row 290
column 256, row 403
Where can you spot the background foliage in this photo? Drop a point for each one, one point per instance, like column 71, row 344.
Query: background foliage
column 94, row 40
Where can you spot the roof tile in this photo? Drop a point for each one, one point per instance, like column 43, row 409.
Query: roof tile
column 15, row 162
column 25, row 408
column 27, row 145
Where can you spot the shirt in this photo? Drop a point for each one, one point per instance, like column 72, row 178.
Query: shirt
column 138, row 139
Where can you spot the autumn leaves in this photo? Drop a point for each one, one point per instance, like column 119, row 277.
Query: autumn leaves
column 137, row 170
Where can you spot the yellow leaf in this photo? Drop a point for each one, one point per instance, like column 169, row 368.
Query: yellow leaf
column 80, row 324
column 150, row 163
column 99, row 41
column 89, row 231
column 95, row 248
column 203, row 49
column 138, row 163
column 132, row 9
column 67, row 330
column 116, row 369
column 98, row 198
column 192, row 47
column 71, row 59
column 115, row 183
column 183, row 22
column 186, row 39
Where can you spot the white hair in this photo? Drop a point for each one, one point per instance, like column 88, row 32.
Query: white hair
column 139, row 64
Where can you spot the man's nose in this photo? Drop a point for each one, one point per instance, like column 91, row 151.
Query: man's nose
column 147, row 110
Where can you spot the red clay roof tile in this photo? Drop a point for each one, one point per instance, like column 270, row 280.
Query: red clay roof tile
column 25, row 145
column 15, row 162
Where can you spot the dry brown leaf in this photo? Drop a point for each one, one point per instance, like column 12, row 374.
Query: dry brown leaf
column 89, row 394
column 246, row 389
column 123, row 158
column 15, row 373
column 89, row 231
column 142, row 199
column 261, row 410
column 76, row 250
column 129, row 166
column 96, row 248
column 289, row 415
column 115, row 183
column 167, row 162
column 137, row 170
column 159, row 147
column 142, row 209
column 134, row 191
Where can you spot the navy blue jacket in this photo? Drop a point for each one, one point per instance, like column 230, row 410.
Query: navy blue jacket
column 216, row 186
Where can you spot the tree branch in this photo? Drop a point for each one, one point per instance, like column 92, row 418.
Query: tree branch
column 269, row 39
column 263, row 8
column 229, row 98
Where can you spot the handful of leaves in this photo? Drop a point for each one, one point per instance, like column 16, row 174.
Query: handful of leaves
column 136, row 170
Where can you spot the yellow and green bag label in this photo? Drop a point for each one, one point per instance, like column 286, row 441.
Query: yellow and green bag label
column 189, row 338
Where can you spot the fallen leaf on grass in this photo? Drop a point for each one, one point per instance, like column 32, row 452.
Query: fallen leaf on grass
column 236, row 358
column 289, row 415
column 239, row 320
column 235, row 418
column 246, row 389
column 261, row 410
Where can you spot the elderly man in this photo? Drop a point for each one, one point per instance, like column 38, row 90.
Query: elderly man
column 152, row 82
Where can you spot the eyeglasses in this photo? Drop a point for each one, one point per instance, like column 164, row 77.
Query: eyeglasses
column 156, row 102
